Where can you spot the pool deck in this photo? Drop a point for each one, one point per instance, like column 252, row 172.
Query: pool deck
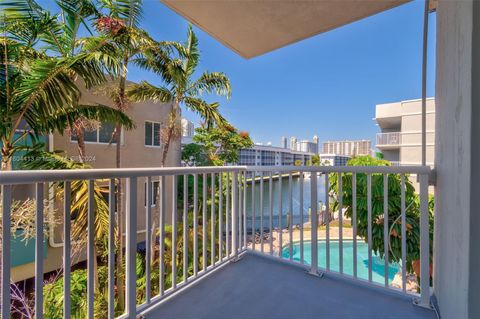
column 259, row 287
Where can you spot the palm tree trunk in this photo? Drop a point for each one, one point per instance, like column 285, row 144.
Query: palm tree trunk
column 6, row 153
column 80, row 134
column 170, row 132
column 121, row 104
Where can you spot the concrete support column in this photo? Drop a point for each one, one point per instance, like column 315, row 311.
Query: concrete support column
column 456, row 245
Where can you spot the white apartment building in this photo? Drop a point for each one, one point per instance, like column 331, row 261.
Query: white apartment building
column 267, row 155
column 348, row 148
column 400, row 139
column 188, row 128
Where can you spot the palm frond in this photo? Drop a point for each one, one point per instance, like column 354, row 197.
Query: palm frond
column 208, row 111
column 211, row 82
column 67, row 117
column 128, row 10
column 38, row 159
column 145, row 91
column 192, row 57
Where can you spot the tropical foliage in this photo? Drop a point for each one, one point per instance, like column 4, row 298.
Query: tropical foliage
column 394, row 209
column 222, row 144
column 39, row 80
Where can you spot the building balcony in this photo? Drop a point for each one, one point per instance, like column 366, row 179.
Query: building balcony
column 259, row 248
column 391, row 140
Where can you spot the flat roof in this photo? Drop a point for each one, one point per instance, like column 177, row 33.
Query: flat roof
column 252, row 28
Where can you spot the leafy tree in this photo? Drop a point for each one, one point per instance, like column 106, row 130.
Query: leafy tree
column 222, row 144
column 316, row 160
column 181, row 89
column 394, row 210
column 195, row 155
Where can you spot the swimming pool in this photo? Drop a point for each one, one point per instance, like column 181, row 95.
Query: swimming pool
column 378, row 264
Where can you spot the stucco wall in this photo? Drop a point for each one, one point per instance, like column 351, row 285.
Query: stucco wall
column 454, row 88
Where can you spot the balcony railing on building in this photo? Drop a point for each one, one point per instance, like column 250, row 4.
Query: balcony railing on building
column 294, row 214
column 392, row 138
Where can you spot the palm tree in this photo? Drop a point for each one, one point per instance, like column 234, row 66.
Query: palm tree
column 39, row 93
column 180, row 89
column 120, row 26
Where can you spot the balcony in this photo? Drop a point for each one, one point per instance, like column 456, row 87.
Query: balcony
column 273, row 247
column 391, row 140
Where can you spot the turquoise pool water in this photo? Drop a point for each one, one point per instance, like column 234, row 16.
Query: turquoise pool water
column 378, row 264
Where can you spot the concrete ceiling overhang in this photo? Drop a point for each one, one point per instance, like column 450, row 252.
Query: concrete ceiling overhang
column 255, row 27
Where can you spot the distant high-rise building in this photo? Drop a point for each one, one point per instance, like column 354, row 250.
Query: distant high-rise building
column 293, row 143
column 347, row 148
column 188, row 128
column 283, row 142
column 307, row 146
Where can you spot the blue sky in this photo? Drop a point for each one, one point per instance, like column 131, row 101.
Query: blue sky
column 326, row 85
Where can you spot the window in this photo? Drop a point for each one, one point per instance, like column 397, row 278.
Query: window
column 154, row 189
column 102, row 135
column 152, row 134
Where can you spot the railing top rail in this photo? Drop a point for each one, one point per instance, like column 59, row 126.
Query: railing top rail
column 35, row 176
column 345, row 169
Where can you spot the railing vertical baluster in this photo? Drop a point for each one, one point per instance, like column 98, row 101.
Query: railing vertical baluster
column 148, row 238
column 340, row 222
column 240, row 209
column 326, row 217
column 6, row 244
column 111, row 245
column 90, row 250
column 185, row 228
column 235, row 215
column 39, row 241
column 228, row 220
column 131, row 248
column 354, row 222
column 302, row 248
column 270, row 210
column 369, row 224
column 280, row 215
column 404, row 234
column 424, row 244
column 162, row 205
column 220, row 217
column 290, row 216
column 212, row 221
column 386, row 230
column 195, row 225
column 244, row 210
column 254, row 220
column 67, row 251
column 204, row 222
column 261, row 211
column 174, row 231
column 314, row 223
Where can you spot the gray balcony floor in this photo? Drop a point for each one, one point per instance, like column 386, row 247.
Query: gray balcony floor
column 257, row 287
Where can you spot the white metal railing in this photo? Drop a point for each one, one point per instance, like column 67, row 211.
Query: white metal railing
column 303, row 238
column 392, row 138
column 232, row 220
